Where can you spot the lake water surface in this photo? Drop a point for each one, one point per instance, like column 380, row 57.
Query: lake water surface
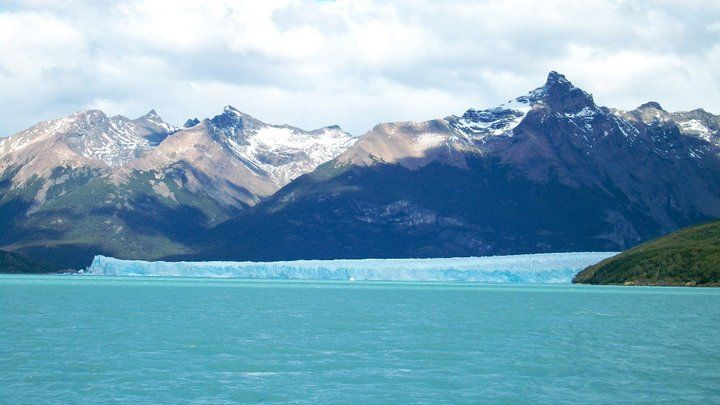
column 75, row 339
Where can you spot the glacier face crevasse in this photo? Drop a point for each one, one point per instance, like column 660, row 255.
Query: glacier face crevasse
column 531, row 268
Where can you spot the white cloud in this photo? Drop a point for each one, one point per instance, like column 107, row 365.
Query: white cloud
column 354, row 63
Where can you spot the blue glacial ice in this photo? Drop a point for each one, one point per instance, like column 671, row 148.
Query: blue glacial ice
column 548, row 268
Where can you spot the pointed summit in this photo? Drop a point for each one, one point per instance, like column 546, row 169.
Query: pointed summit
column 153, row 128
column 151, row 116
column 191, row 122
column 554, row 78
column 231, row 117
column 151, row 113
column 560, row 94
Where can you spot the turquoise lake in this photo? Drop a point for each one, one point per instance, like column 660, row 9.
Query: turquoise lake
column 94, row 339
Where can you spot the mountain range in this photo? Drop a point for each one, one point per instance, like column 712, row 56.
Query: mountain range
column 89, row 183
column 549, row 171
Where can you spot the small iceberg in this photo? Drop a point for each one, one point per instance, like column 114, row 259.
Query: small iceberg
column 548, row 268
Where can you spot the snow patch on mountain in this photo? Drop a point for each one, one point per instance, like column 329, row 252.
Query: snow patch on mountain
column 501, row 120
column 557, row 93
column 152, row 118
column 282, row 152
column 696, row 127
column 586, row 112
column 236, row 159
column 93, row 135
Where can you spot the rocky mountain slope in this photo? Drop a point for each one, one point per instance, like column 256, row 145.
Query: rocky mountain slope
column 87, row 141
column 549, row 171
column 240, row 159
column 688, row 257
column 88, row 183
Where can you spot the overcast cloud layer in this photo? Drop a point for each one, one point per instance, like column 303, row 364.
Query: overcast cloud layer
column 317, row 63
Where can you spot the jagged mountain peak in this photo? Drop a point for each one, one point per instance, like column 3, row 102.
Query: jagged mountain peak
column 191, row 122
column 87, row 137
column 548, row 171
column 234, row 123
column 151, row 115
column 561, row 95
column 154, row 128
column 98, row 118
column 554, row 78
column 699, row 123
column 78, row 119
column 558, row 95
column 540, row 172
column 652, row 113
column 566, row 115
column 231, row 121
column 242, row 158
column 651, row 105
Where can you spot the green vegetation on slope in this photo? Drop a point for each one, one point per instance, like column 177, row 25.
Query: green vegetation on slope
column 82, row 218
column 15, row 263
column 690, row 256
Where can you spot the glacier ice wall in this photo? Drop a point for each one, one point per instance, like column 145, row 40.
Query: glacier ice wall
column 532, row 268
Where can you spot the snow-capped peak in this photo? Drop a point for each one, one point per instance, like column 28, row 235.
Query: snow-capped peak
column 501, row 120
column 558, row 94
column 282, row 151
column 155, row 126
column 93, row 135
column 151, row 114
column 699, row 123
column 522, row 104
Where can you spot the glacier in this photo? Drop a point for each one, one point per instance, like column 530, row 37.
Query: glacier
column 547, row 268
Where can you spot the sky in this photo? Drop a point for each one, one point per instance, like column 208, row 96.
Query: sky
column 351, row 63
